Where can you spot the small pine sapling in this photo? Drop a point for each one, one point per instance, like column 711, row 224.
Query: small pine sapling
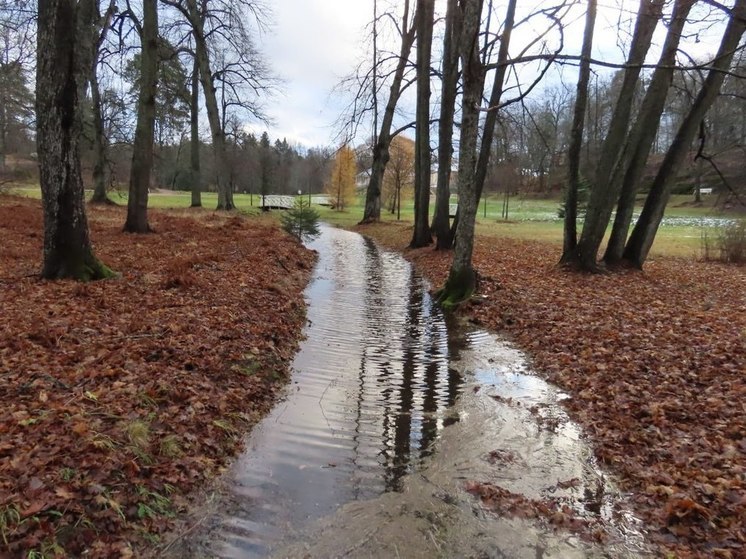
column 301, row 221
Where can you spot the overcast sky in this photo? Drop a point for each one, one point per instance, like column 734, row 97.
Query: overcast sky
column 314, row 43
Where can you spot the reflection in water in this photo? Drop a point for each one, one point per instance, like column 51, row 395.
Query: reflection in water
column 371, row 395
column 378, row 378
column 513, row 434
column 403, row 366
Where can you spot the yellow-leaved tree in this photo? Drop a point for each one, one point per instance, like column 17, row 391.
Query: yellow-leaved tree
column 398, row 180
column 341, row 187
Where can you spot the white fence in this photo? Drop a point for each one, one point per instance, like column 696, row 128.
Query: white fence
column 276, row 202
column 280, row 202
column 321, row 200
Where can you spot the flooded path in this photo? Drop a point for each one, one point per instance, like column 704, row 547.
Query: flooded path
column 390, row 412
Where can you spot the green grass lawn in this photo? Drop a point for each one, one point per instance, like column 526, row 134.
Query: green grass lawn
column 164, row 200
column 528, row 218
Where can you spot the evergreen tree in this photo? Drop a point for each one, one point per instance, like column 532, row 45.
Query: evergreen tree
column 302, row 221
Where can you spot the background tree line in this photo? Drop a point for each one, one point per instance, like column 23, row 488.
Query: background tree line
column 122, row 86
column 254, row 164
column 468, row 76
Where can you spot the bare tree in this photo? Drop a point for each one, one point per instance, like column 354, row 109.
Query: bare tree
column 472, row 168
column 425, row 21
column 100, row 141
column 605, row 192
column 372, row 210
column 196, row 18
column 576, row 138
column 628, row 170
column 502, row 66
column 195, row 172
column 495, row 97
column 449, row 84
column 462, row 277
column 222, row 26
column 643, row 234
column 142, row 151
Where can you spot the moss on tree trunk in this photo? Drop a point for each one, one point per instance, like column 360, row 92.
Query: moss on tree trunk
column 459, row 287
column 77, row 265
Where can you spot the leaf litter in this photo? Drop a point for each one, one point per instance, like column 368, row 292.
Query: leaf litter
column 121, row 397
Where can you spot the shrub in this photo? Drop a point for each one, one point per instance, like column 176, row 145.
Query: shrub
column 728, row 245
column 732, row 242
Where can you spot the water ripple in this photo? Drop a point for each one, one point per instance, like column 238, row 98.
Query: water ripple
column 371, row 391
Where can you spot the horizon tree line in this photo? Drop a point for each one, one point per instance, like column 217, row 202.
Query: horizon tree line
column 489, row 120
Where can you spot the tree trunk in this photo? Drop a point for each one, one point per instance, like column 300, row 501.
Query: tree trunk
column 142, row 149
column 462, row 278
column 490, row 120
column 604, row 193
column 631, row 164
column 100, row 141
column 576, row 139
column 99, row 146
column 374, row 80
column 62, row 68
column 645, row 229
column 372, row 212
column 700, row 163
column 398, row 202
column 3, row 128
column 225, row 192
column 425, row 20
column 441, row 225
column 196, row 175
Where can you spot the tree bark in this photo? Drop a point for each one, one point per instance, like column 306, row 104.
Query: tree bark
column 441, row 225
column 631, row 164
column 645, row 229
column 462, row 278
column 490, row 120
column 196, row 175
column 425, row 20
column 142, row 150
column 372, row 212
column 225, row 192
column 3, row 127
column 99, row 146
column 62, row 68
column 576, row 139
column 100, row 141
column 605, row 193
column 495, row 96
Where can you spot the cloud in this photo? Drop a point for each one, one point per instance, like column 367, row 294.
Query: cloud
column 313, row 44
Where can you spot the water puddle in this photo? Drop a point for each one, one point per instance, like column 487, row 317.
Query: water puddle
column 391, row 412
